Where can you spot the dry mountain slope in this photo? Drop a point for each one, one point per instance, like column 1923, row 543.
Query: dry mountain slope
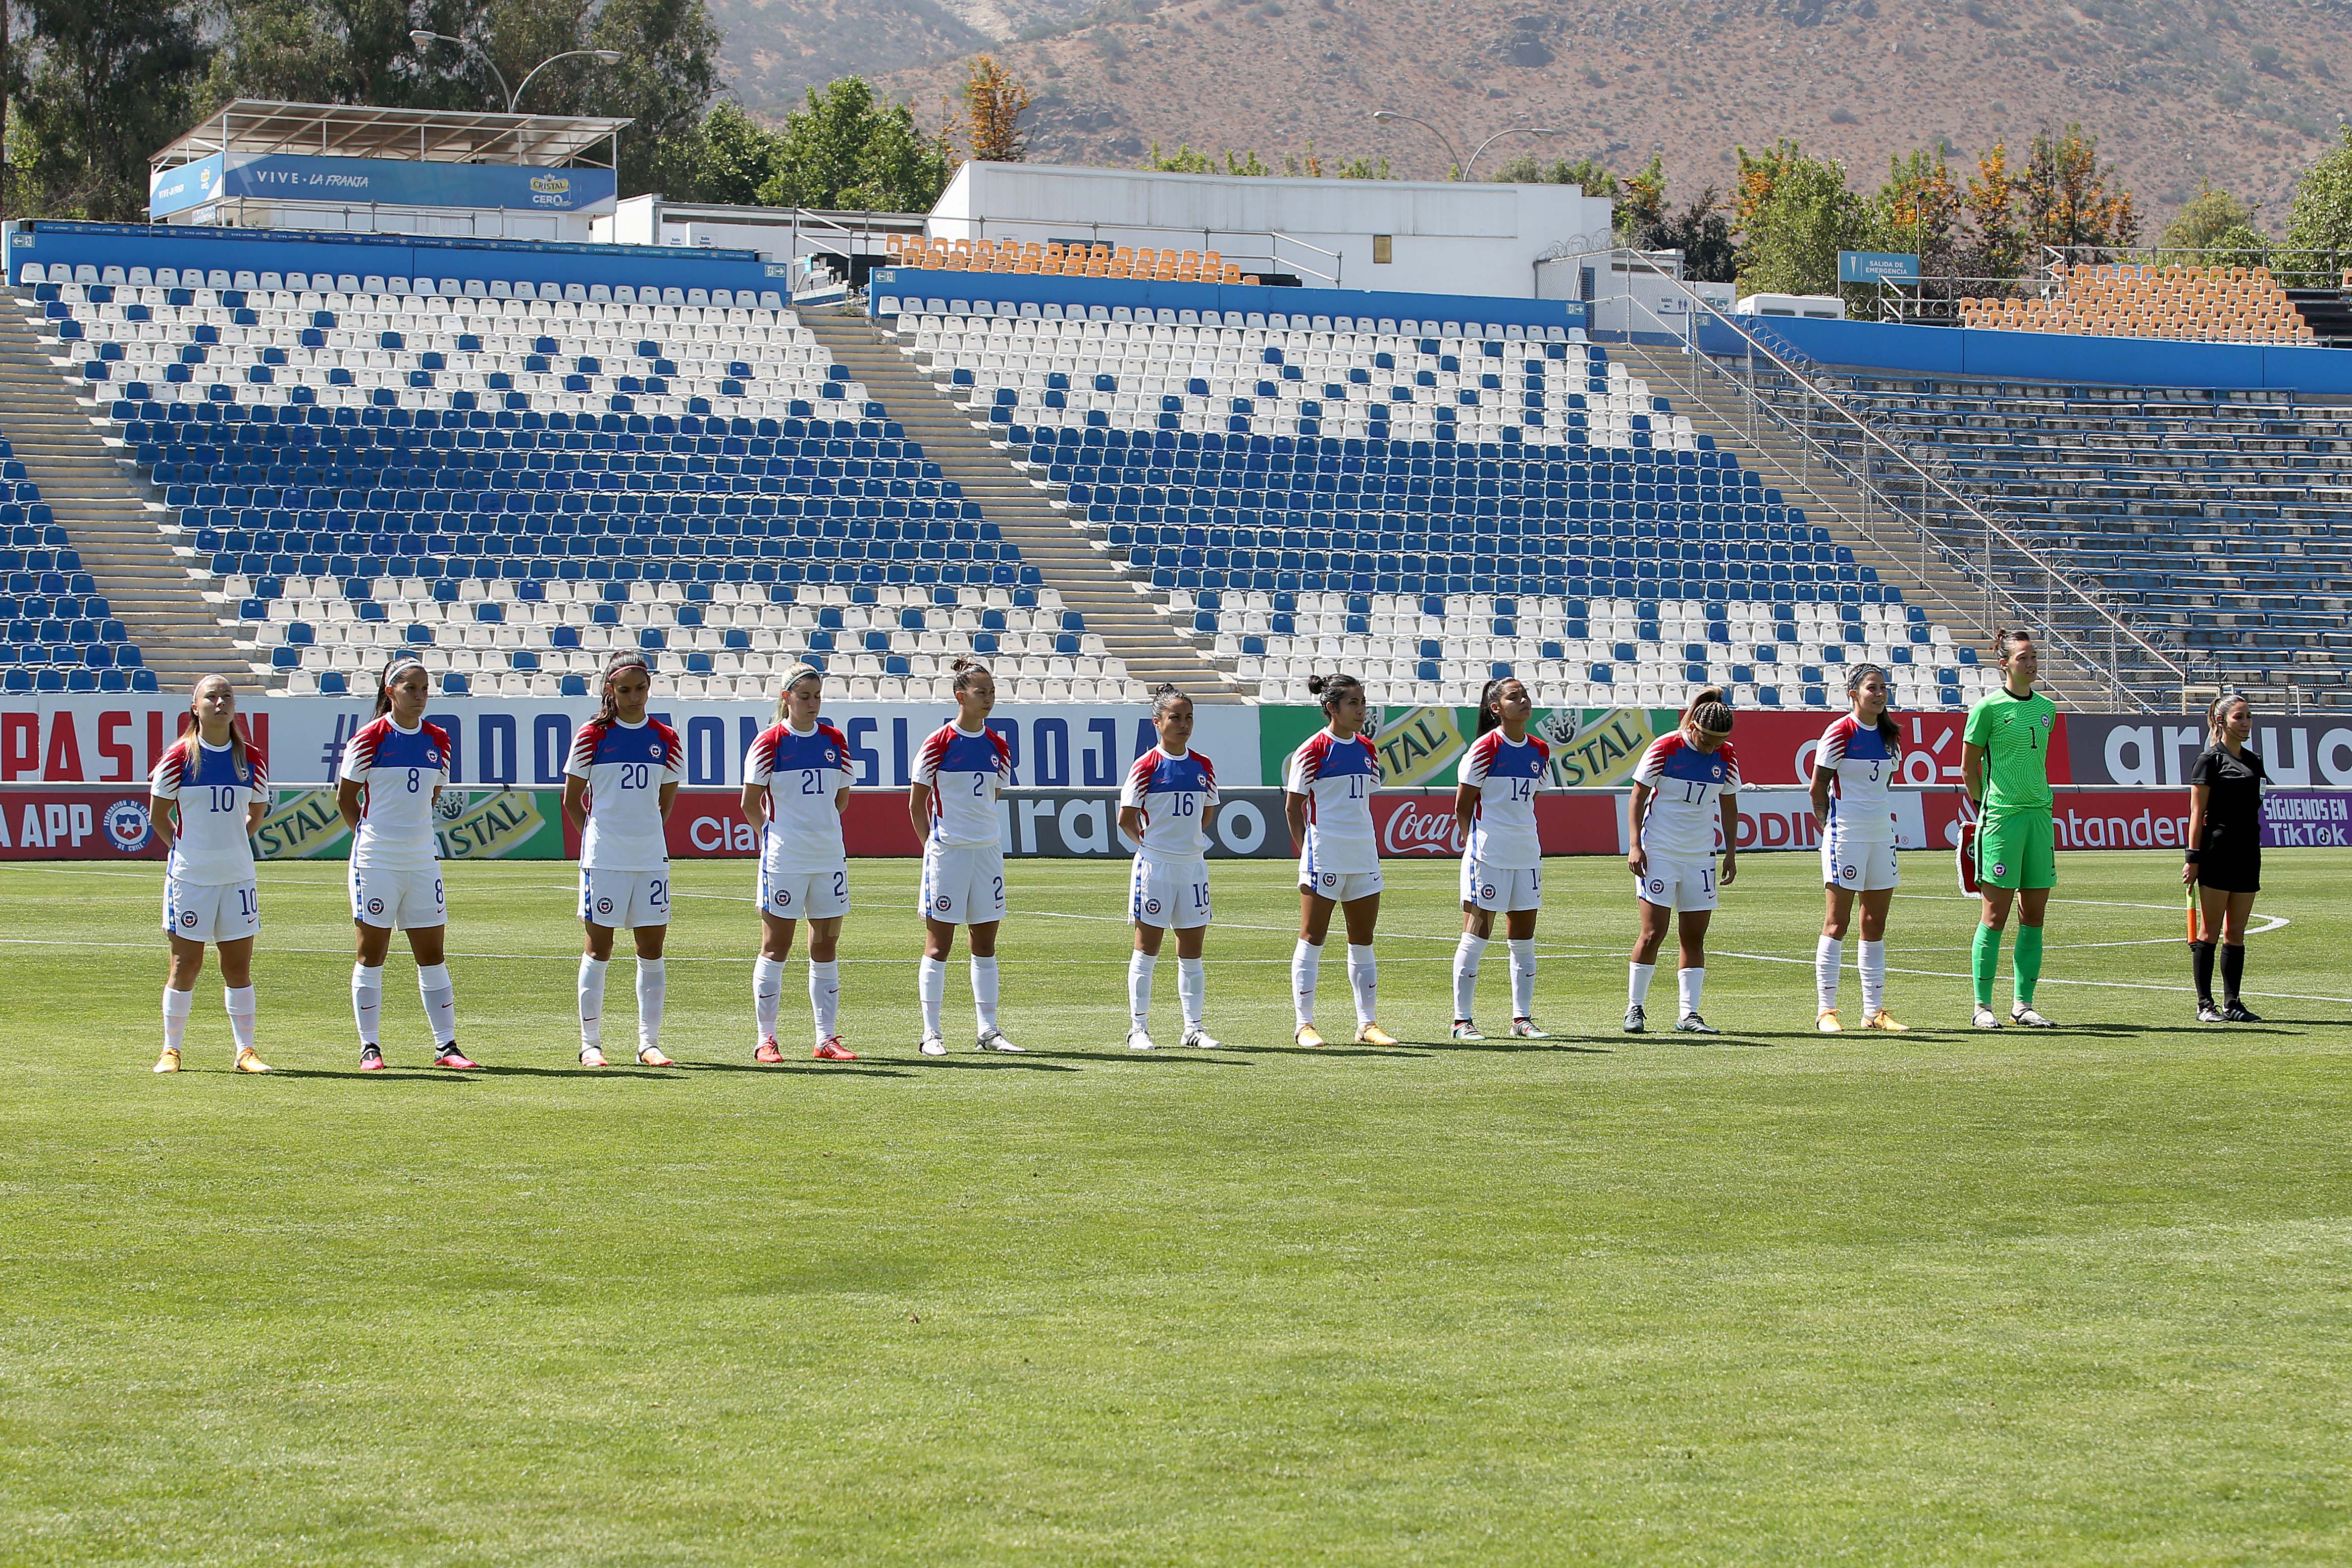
column 2244, row 94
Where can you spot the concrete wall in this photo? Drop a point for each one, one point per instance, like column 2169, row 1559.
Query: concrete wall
column 1447, row 238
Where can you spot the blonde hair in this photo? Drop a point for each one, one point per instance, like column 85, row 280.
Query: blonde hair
column 794, row 676
column 239, row 758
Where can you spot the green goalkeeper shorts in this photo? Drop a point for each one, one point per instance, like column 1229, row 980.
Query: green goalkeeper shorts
column 2017, row 849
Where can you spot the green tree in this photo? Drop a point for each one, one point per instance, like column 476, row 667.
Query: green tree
column 1641, row 207
column 1996, row 248
column 1527, row 168
column 848, row 149
column 1183, row 161
column 2069, row 199
column 1796, row 214
column 1919, row 211
column 726, row 159
column 2319, row 224
column 111, row 80
column 2214, row 228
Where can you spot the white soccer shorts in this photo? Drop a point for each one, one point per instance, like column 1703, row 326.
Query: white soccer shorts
column 1168, row 893
column 805, row 895
column 211, row 911
column 1683, row 886
column 628, row 901
column 1493, row 888
column 398, row 899
column 1858, row 868
column 1339, row 887
column 963, row 884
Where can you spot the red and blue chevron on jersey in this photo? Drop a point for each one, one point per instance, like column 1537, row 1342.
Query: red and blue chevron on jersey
column 210, row 847
column 1506, row 774
column 1175, row 794
column 1865, row 764
column 1688, row 785
column 1338, row 779
column 964, row 771
column 625, row 766
column 401, row 769
column 804, row 771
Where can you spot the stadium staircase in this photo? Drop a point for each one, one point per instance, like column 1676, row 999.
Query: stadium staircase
column 1132, row 627
column 88, row 483
column 1718, row 408
column 2327, row 312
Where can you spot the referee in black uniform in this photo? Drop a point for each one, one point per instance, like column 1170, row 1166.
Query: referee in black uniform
column 2225, row 854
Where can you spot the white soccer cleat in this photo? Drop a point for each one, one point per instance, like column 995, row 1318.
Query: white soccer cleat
column 1141, row 1040
column 1529, row 1029
column 591, row 1057
column 2027, row 1018
column 994, row 1040
column 1692, row 1024
column 934, row 1047
column 1200, row 1039
column 1986, row 1018
column 1463, row 1029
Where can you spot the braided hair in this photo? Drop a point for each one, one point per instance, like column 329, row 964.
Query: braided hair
column 1709, row 710
column 1854, row 678
column 608, row 710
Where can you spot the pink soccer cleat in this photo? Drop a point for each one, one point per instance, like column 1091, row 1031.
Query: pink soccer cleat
column 833, row 1050
column 769, row 1051
column 449, row 1055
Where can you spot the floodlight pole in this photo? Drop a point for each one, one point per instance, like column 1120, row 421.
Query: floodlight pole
column 1460, row 162
column 514, row 94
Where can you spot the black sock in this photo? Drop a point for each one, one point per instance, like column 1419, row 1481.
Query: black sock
column 2200, row 963
column 2234, row 969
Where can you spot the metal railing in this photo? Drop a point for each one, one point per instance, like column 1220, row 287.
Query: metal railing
column 1894, row 505
column 1276, row 240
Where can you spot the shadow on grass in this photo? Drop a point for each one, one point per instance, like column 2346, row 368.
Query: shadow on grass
column 810, row 1069
column 992, row 1063
column 389, row 1075
column 1329, row 1051
column 1515, row 1047
column 1179, row 1054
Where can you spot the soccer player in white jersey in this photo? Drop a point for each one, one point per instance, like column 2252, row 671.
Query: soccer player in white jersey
column 617, row 788
column 1329, row 786
column 208, row 793
column 952, row 801
column 1854, row 774
column 1502, row 858
column 393, row 770
column 1684, row 793
column 1163, row 809
column 795, row 787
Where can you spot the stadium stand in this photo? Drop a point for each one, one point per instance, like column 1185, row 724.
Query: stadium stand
column 1436, row 505
column 522, row 485
column 1054, row 259
column 2219, row 520
column 2195, row 304
column 61, row 634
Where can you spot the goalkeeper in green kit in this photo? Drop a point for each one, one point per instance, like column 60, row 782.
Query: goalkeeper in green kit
column 2005, row 767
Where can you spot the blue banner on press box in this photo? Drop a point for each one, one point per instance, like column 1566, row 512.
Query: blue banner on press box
column 390, row 181
column 1878, row 266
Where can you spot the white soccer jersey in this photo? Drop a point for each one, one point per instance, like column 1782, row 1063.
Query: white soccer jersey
column 401, row 769
column 1175, row 794
column 1507, row 776
column 1684, row 813
column 211, row 848
column 964, row 771
column 806, row 770
column 1863, row 809
column 1338, row 779
column 625, row 766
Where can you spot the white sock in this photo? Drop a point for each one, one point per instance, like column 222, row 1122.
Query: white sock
column 1829, row 956
column 238, row 1000
column 1467, row 954
column 1193, row 990
column 983, row 992
column 1306, row 965
column 1637, row 983
column 592, row 1001
column 1139, row 965
column 931, row 987
column 177, row 1006
column 440, row 1003
column 653, row 988
column 1523, row 976
column 1364, row 980
column 1874, row 978
column 367, row 1000
column 767, row 994
column 825, row 997
column 1690, row 982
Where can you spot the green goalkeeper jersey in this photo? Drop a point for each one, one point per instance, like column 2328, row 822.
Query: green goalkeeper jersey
column 2015, row 733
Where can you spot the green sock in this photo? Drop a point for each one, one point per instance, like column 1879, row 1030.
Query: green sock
column 1986, row 960
column 2029, row 963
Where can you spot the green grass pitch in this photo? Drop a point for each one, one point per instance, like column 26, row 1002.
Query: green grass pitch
column 1947, row 1297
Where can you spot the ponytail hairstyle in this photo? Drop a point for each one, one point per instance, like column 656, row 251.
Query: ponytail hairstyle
column 794, row 676
column 1709, row 710
column 2215, row 711
column 1886, row 730
column 391, row 672
column 238, row 757
column 1330, row 689
column 1489, row 704
column 964, row 669
column 1164, row 694
column 2005, row 640
column 607, row 710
